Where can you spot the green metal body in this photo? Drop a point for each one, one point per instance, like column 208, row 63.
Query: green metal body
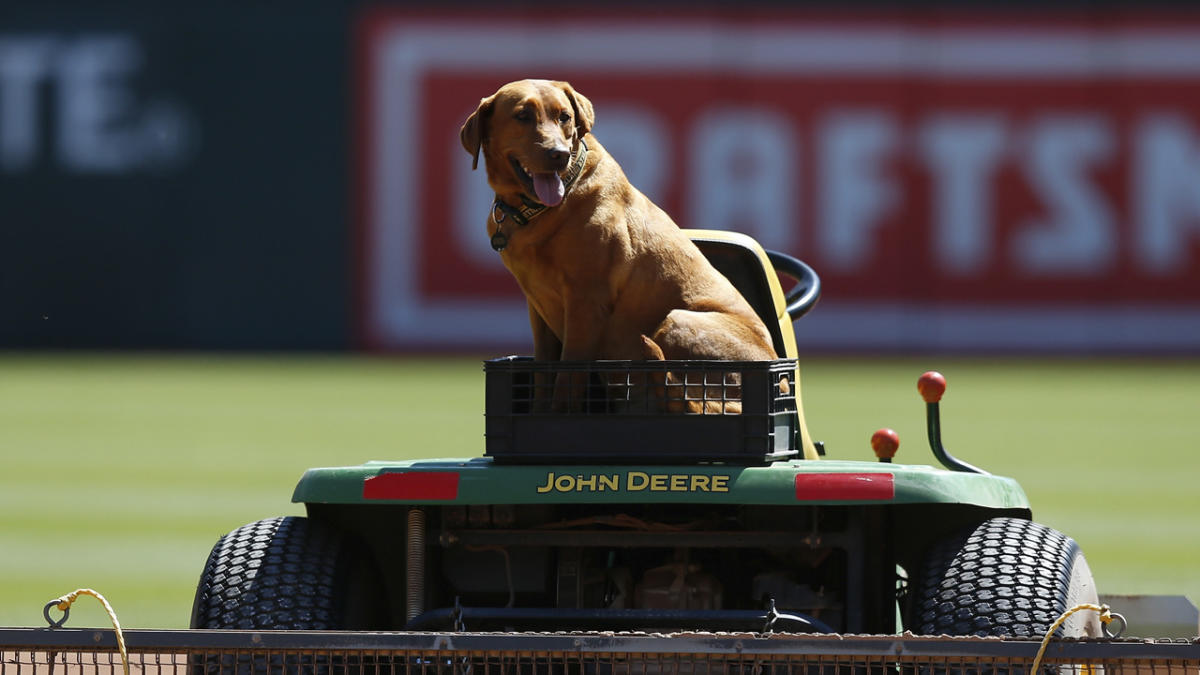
column 482, row 481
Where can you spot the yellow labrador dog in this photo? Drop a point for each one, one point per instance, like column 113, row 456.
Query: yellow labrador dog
column 606, row 273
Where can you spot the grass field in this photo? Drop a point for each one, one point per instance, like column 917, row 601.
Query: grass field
column 119, row 472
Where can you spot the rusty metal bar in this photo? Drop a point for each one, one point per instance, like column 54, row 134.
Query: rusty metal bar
column 715, row 644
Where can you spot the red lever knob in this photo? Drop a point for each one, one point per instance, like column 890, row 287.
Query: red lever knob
column 931, row 385
column 885, row 442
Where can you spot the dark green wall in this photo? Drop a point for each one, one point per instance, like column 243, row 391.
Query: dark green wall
column 205, row 204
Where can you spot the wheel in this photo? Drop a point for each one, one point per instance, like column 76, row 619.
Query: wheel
column 285, row 574
column 1003, row 577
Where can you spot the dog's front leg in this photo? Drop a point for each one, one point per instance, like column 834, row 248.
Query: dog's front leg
column 546, row 347
column 583, row 331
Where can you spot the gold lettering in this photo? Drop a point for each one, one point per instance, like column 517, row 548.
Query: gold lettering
column 635, row 481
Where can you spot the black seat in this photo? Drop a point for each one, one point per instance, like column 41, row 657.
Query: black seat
column 744, row 268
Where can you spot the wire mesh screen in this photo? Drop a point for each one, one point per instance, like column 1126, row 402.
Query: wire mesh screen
column 44, row 661
column 282, row 653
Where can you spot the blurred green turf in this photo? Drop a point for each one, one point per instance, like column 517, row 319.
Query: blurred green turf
column 119, row 472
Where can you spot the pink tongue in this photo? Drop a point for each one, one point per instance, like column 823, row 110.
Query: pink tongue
column 549, row 188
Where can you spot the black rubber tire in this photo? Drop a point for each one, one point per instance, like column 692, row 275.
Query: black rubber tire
column 287, row 573
column 1003, row 577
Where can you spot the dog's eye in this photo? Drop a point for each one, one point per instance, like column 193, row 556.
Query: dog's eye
column 522, row 116
column 564, row 117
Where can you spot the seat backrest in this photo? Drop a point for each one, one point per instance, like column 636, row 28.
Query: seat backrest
column 742, row 264
column 746, row 265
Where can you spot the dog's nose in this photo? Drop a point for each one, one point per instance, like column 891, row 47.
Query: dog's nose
column 558, row 157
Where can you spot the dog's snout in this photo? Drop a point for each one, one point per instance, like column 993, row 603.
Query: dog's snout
column 558, row 157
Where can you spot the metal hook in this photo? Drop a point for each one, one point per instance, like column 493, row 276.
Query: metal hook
column 457, row 616
column 1124, row 625
column 772, row 615
column 46, row 613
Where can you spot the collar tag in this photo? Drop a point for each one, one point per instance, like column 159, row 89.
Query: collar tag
column 499, row 241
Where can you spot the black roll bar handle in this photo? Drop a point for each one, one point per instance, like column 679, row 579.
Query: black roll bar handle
column 804, row 295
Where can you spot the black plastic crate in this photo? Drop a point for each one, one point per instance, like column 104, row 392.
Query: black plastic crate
column 640, row 411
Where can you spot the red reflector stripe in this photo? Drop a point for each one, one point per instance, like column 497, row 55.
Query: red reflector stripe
column 416, row 486
column 811, row 487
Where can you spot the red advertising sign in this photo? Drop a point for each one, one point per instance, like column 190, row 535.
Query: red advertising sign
column 980, row 183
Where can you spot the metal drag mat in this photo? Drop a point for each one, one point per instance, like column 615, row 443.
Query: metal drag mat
column 31, row 651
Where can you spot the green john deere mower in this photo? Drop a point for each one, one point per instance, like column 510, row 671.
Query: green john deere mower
column 630, row 513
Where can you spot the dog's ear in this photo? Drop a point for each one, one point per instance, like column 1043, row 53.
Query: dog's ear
column 585, row 115
column 473, row 129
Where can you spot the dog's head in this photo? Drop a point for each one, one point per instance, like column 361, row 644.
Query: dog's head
column 528, row 131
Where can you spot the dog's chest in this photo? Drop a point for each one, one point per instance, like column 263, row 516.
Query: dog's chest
column 540, row 280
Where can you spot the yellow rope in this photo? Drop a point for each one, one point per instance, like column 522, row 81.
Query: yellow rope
column 64, row 603
column 1105, row 618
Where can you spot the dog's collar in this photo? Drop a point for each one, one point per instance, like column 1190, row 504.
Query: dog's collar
column 529, row 209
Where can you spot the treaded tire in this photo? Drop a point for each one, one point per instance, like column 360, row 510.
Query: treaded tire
column 1003, row 577
column 285, row 573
